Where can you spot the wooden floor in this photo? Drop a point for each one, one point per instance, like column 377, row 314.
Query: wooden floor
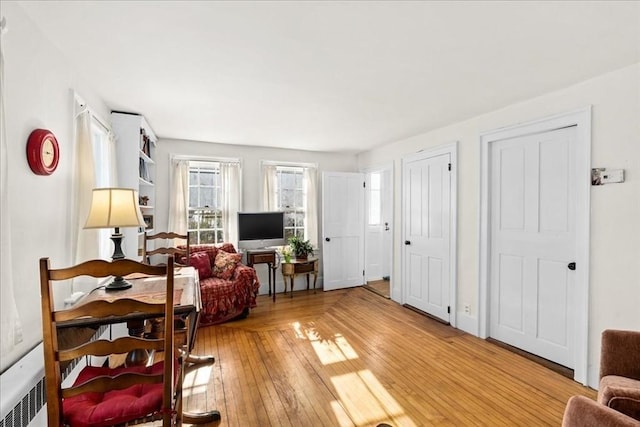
column 352, row 358
column 381, row 287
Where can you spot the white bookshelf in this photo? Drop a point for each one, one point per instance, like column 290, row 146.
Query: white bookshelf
column 136, row 146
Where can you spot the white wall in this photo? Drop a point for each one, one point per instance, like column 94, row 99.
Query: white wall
column 615, row 209
column 251, row 179
column 39, row 86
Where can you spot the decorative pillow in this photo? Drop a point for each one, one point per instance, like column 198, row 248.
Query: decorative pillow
column 209, row 249
column 225, row 264
column 200, row 261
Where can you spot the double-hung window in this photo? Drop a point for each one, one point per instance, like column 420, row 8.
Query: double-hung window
column 290, row 197
column 291, row 188
column 205, row 203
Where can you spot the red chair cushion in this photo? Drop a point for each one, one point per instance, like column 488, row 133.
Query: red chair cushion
column 200, row 261
column 113, row 407
column 225, row 264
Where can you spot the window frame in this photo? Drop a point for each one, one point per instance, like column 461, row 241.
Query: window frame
column 296, row 214
column 216, row 212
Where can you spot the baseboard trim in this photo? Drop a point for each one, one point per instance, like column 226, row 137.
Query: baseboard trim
column 559, row 369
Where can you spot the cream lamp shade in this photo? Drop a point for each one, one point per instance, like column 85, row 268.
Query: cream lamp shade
column 114, row 207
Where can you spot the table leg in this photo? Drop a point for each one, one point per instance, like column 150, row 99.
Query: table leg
column 272, row 278
column 269, row 273
column 292, row 277
column 307, row 281
column 138, row 357
column 315, row 279
column 200, row 418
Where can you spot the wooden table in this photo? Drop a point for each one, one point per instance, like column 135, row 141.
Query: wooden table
column 265, row 256
column 187, row 306
column 299, row 266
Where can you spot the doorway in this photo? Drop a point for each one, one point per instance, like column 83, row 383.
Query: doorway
column 534, row 238
column 378, row 229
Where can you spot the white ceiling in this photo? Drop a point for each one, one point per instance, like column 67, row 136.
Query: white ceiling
column 331, row 76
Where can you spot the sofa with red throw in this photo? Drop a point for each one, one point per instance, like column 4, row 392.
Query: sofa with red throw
column 228, row 287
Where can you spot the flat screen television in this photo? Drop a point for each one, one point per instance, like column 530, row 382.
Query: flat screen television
column 258, row 230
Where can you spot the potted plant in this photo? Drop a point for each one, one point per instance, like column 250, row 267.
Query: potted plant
column 285, row 252
column 301, row 248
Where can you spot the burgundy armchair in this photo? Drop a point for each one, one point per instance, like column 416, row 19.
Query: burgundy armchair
column 228, row 288
column 619, row 389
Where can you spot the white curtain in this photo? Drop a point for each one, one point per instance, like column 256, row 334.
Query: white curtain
column 269, row 185
column 311, row 205
column 179, row 196
column 113, row 165
column 10, row 325
column 230, row 183
column 87, row 241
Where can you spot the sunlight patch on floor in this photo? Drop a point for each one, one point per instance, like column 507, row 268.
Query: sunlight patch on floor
column 342, row 417
column 333, row 350
column 196, row 380
column 366, row 400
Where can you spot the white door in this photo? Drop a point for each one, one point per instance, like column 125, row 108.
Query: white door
column 374, row 228
column 427, row 221
column 378, row 224
column 343, row 230
column 532, row 243
column 387, row 221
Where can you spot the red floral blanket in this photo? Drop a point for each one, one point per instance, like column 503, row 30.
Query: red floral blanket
column 223, row 300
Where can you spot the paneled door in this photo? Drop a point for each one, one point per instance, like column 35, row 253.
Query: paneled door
column 533, row 243
column 427, row 226
column 343, row 230
column 378, row 244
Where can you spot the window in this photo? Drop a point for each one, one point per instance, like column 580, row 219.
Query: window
column 102, row 147
column 205, row 222
column 291, row 188
column 375, row 201
column 290, row 197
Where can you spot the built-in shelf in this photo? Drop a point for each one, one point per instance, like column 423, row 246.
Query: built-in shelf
column 135, row 145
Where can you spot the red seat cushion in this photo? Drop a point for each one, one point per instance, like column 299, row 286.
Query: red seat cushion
column 113, row 407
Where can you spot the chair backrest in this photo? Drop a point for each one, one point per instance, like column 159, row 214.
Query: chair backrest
column 177, row 251
column 109, row 310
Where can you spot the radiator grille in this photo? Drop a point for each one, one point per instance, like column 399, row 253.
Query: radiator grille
column 32, row 402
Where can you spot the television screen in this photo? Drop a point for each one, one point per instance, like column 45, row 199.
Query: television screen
column 260, row 229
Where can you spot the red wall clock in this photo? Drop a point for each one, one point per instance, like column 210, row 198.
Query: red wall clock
column 43, row 152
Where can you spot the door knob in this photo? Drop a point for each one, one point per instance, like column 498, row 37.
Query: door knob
column 407, row 242
column 326, row 239
column 571, row 266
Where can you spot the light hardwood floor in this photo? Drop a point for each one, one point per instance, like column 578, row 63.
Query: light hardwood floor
column 381, row 287
column 352, row 358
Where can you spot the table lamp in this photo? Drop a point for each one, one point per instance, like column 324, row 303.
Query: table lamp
column 115, row 208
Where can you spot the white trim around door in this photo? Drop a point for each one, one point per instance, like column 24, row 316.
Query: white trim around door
column 581, row 119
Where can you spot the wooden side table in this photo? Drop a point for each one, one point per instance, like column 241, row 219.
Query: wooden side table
column 299, row 266
column 265, row 256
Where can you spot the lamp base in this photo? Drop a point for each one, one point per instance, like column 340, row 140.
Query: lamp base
column 116, row 238
column 118, row 284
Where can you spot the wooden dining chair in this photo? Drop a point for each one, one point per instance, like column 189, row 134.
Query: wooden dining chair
column 104, row 396
column 180, row 252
